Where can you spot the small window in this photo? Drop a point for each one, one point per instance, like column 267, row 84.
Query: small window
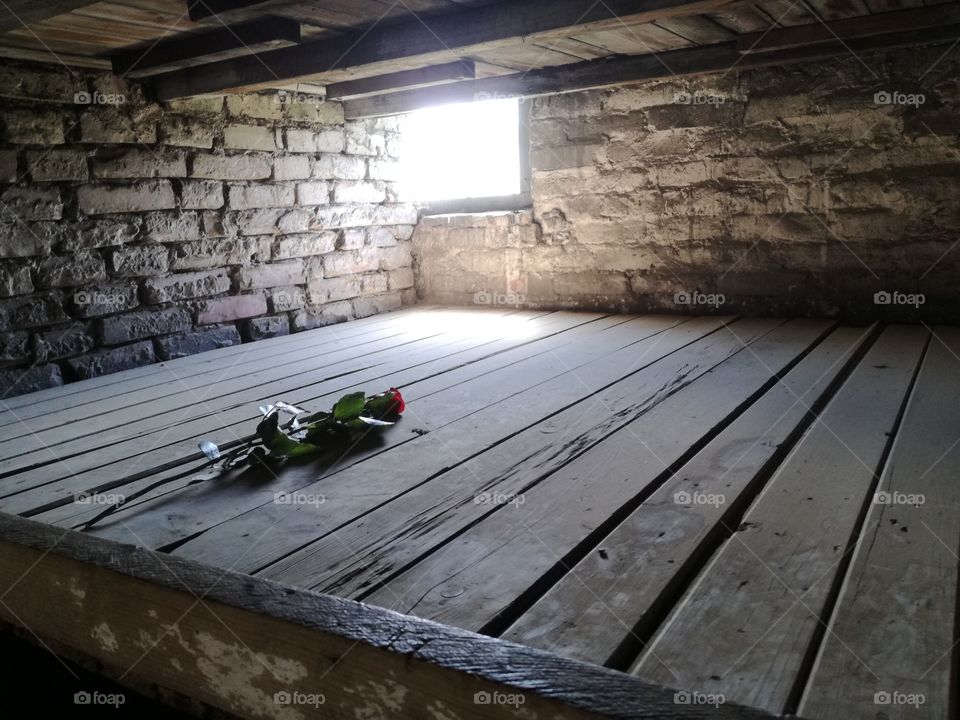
column 466, row 158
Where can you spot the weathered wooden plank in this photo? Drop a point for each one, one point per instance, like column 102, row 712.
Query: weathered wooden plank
column 895, row 624
column 858, row 27
column 39, row 53
column 837, row 9
column 67, row 441
column 181, row 51
column 745, row 628
column 463, row 33
column 442, row 406
column 741, row 18
column 173, row 448
column 465, row 582
column 602, row 609
column 275, row 358
column 407, row 79
column 98, row 386
column 376, row 481
column 577, row 48
column 626, row 70
column 175, row 432
column 201, row 9
column 879, row 6
column 634, row 39
column 527, row 56
column 697, row 29
column 159, row 18
column 786, row 13
column 184, row 513
column 17, row 13
column 357, row 557
column 169, row 623
column 114, row 28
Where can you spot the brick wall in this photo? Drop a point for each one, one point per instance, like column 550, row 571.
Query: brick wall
column 132, row 232
column 789, row 190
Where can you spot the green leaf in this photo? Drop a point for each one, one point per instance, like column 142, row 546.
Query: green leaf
column 349, row 407
column 278, row 442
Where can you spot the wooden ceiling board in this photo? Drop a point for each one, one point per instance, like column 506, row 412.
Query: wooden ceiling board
column 634, row 39
column 697, row 29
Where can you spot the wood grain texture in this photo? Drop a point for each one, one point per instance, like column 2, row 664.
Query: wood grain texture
column 18, row 13
column 365, row 488
column 859, row 27
column 179, row 514
column 49, row 400
column 90, row 445
column 465, row 33
column 746, row 626
column 479, row 576
column 895, row 623
column 436, row 74
column 360, row 557
column 171, row 623
column 601, row 611
column 625, row 70
column 173, row 433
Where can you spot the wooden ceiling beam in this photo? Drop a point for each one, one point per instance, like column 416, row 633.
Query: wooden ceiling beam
column 15, row 14
column 202, row 9
column 852, row 28
column 439, row 40
column 258, row 35
column 624, row 70
column 405, row 80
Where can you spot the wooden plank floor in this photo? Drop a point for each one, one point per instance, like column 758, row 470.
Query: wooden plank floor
column 760, row 511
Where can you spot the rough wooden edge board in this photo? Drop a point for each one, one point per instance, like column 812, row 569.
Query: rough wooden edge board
column 232, row 641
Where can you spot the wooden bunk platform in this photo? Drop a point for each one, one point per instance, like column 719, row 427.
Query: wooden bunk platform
column 579, row 515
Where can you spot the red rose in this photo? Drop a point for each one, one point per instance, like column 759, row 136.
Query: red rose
column 398, row 404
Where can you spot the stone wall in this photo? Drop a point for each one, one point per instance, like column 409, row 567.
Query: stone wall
column 796, row 190
column 132, row 232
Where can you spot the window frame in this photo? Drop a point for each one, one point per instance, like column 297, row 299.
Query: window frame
column 499, row 203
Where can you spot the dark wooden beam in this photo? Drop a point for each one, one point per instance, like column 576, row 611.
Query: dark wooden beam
column 15, row 14
column 161, row 622
column 614, row 71
column 258, row 35
column 404, row 80
column 202, row 9
column 441, row 39
column 853, row 28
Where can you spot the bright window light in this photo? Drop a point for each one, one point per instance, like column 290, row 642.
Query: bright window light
column 462, row 151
